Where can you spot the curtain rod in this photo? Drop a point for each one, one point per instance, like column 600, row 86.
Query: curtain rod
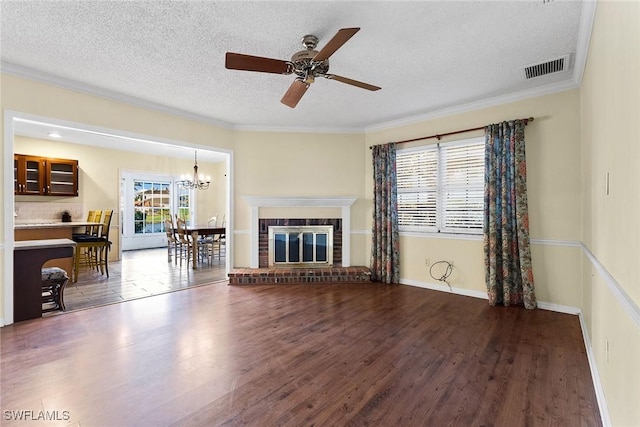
column 440, row 135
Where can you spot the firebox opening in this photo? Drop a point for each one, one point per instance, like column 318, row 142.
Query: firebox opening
column 301, row 246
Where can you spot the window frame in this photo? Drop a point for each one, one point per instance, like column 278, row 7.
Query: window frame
column 474, row 190
column 131, row 240
column 157, row 213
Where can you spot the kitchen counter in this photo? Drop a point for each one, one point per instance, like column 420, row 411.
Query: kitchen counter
column 43, row 244
column 60, row 224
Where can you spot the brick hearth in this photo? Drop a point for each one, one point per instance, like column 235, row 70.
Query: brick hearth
column 279, row 275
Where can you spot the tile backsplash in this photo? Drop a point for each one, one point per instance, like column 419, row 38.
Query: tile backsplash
column 34, row 212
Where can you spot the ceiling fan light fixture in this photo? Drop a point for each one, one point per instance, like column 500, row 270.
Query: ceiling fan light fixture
column 309, row 78
column 306, row 64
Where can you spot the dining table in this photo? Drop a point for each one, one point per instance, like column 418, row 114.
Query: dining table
column 202, row 230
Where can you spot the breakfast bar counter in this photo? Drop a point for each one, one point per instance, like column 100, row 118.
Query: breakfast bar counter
column 51, row 230
column 56, row 225
column 28, row 258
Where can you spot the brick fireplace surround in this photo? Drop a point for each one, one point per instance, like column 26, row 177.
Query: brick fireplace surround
column 260, row 273
column 263, row 236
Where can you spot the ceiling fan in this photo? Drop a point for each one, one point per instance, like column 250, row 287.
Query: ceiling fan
column 306, row 64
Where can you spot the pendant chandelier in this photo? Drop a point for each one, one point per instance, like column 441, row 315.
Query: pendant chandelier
column 197, row 182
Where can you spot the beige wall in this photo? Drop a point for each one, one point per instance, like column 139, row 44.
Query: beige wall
column 298, row 164
column 99, row 172
column 554, row 191
column 577, row 137
column 610, row 107
column 41, row 99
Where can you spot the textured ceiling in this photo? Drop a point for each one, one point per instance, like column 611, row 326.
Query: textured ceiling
column 427, row 56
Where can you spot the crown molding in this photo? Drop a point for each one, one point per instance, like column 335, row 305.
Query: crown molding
column 285, row 129
column 587, row 18
column 39, row 76
column 477, row 105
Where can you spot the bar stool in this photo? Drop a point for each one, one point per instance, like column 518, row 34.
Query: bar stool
column 96, row 249
column 89, row 232
column 54, row 280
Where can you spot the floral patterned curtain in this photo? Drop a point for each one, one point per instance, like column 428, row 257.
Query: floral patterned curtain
column 385, row 263
column 507, row 255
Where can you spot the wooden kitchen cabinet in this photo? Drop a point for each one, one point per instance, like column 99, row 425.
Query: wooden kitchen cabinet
column 61, row 177
column 28, row 174
column 33, row 175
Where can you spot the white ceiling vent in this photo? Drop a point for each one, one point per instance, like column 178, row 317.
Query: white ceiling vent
column 555, row 65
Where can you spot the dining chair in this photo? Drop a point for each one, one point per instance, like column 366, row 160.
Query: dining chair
column 209, row 243
column 172, row 241
column 216, row 242
column 183, row 240
column 221, row 240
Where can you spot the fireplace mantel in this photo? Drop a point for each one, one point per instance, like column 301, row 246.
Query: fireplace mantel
column 343, row 202
column 299, row 202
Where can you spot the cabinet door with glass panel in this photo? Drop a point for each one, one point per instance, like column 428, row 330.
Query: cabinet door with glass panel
column 28, row 174
column 61, row 177
column 43, row 176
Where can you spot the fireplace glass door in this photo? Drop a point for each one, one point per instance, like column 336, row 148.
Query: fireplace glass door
column 300, row 246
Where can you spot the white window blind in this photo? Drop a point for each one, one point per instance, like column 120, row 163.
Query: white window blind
column 417, row 179
column 441, row 187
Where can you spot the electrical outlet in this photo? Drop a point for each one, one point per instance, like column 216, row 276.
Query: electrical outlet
column 607, row 184
column 427, row 262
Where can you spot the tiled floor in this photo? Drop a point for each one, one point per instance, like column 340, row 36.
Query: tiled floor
column 139, row 274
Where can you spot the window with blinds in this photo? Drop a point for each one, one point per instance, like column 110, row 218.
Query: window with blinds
column 441, row 187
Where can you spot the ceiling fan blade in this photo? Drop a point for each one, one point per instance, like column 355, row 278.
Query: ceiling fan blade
column 335, row 43
column 294, row 93
column 238, row 61
column 352, row 82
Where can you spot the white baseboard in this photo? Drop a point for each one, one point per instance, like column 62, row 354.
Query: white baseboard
column 558, row 308
column 595, row 376
column 483, row 295
column 444, row 288
column 602, row 404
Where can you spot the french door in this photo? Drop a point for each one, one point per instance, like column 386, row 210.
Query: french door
column 145, row 200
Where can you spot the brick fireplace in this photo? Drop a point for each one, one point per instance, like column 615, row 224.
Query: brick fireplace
column 260, row 272
column 263, row 238
column 310, row 204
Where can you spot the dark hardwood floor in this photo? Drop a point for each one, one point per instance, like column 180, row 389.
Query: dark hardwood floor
column 138, row 274
column 300, row 355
